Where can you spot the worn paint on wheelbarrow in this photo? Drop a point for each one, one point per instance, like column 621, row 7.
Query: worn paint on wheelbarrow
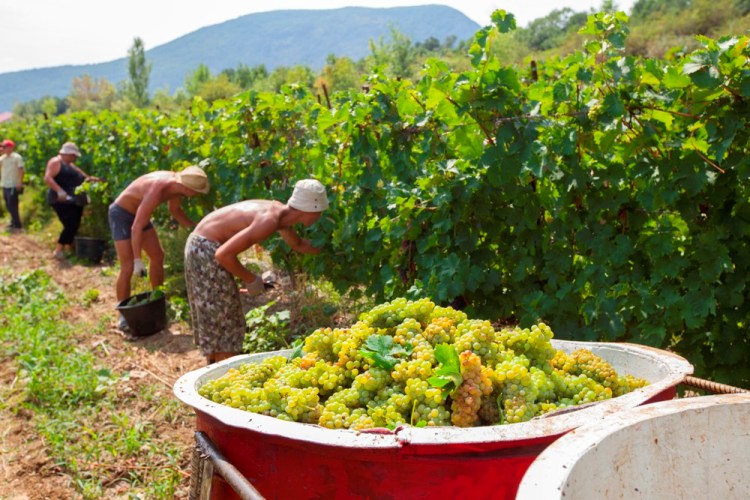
column 292, row 460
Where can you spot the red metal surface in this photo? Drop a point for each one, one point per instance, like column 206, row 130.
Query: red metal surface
column 285, row 468
column 282, row 468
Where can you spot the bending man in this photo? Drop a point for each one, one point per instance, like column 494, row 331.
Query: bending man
column 212, row 262
column 132, row 230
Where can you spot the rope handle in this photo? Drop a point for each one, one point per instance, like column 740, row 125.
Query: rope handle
column 713, row 387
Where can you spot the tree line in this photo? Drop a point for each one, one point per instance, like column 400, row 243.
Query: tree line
column 658, row 28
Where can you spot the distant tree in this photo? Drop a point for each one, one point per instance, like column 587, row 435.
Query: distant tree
column 196, row 79
column 48, row 105
column 432, row 44
column 139, row 71
column 91, row 94
column 643, row 9
column 165, row 102
column 53, row 106
column 398, row 55
column 548, row 32
column 283, row 75
column 245, row 76
column 218, row 88
column 339, row 74
column 510, row 48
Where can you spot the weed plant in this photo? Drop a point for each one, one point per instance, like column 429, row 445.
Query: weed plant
column 70, row 394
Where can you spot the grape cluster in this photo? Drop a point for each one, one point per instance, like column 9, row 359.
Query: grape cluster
column 505, row 375
column 476, row 384
column 477, row 336
column 441, row 330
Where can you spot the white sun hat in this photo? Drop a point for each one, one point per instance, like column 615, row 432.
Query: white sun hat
column 70, row 148
column 309, row 196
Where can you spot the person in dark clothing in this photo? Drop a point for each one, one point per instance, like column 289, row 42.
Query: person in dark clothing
column 63, row 177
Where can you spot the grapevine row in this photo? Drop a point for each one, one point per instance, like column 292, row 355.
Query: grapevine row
column 608, row 197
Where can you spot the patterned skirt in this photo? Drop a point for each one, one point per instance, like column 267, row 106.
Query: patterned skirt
column 215, row 307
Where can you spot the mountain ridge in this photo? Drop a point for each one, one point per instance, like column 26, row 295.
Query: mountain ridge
column 274, row 38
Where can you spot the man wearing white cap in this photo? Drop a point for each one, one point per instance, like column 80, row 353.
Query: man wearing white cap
column 132, row 230
column 212, row 261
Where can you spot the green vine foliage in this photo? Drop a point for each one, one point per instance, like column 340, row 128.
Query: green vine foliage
column 602, row 193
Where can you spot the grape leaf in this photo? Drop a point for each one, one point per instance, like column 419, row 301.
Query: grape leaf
column 297, row 348
column 448, row 374
column 382, row 352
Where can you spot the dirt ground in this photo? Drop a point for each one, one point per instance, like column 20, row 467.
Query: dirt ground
column 26, row 470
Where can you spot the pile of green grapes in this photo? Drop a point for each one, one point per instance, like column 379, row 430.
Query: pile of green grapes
column 413, row 362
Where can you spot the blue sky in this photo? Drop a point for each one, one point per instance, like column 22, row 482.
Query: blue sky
column 44, row 33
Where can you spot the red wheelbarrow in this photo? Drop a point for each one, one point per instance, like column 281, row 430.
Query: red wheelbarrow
column 253, row 455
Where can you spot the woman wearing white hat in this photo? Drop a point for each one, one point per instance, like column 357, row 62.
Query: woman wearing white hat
column 212, row 263
column 63, row 177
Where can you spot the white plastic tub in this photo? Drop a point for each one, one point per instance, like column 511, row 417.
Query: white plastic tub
column 679, row 449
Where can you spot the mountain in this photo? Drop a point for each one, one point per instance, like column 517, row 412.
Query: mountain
column 276, row 38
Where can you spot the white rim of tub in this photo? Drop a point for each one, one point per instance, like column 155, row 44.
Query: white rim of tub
column 662, row 369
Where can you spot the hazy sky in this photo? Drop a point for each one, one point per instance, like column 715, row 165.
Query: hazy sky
column 43, row 33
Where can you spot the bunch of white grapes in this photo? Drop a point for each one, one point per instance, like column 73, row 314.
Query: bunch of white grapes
column 504, row 376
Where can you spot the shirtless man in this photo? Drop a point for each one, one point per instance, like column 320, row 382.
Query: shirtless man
column 212, row 262
column 132, row 230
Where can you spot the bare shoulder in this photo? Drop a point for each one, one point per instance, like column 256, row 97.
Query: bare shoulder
column 151, row 182
column 254, row 216
column 249, row 211
column 151, row 186
column 54, row 161
column 159, row 179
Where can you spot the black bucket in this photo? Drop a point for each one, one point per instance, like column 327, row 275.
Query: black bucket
column 147, row 318
column 90, row 249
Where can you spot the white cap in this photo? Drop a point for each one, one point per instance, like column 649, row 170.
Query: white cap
column 309, row 196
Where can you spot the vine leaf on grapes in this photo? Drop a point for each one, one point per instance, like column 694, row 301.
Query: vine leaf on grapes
column 448, row 374
column 297, row 348
column 383, row 353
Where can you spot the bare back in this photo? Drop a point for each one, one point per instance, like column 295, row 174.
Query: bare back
column 155, row 184
column 224, row 223
column 241, row 225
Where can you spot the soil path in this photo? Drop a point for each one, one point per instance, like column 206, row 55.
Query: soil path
column 26, row 470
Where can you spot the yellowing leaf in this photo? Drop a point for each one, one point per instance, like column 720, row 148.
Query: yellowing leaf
column 662, row 116
column 696, row 144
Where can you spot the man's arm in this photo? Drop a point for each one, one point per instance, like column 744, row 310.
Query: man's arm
column 175, row 208
column 297, row 243
column 150, row 201
column 228, row 253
